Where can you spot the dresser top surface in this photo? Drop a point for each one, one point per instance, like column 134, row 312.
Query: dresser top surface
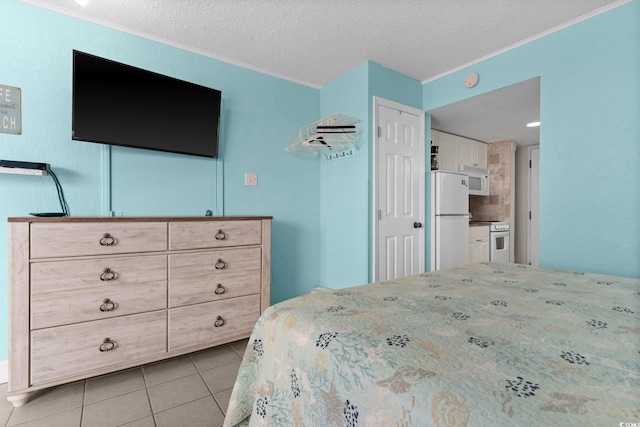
column 72, row 219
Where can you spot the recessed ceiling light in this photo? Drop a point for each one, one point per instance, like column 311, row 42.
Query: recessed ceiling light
column 533, row 124
column 82, row 3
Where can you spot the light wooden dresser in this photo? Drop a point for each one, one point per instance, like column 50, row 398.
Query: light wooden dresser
column 89, row 296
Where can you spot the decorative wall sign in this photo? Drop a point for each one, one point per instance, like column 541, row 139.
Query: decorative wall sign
column 10, row 110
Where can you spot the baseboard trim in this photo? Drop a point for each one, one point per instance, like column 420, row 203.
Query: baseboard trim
column 4, row 371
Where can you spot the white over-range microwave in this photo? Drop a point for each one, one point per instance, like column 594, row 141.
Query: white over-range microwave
column 478, row 179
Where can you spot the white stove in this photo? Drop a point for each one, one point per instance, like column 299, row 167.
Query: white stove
column 499, row 226
column 499, row 250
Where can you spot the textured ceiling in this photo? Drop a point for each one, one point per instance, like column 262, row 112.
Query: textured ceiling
column 314, row 41
column 494, row 116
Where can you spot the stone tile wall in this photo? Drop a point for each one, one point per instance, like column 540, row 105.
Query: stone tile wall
column 497, row 206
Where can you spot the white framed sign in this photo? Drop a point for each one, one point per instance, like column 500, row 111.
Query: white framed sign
column 10, row 110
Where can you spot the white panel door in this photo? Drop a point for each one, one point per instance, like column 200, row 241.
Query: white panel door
column 400, row 192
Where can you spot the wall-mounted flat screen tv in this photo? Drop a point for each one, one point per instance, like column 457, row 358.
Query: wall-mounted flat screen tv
column 119, row 104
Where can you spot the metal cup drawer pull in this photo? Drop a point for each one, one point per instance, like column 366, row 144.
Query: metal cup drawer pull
column 108, row 240
column 108, row 345
column 108, row 305
column 219, row 322
column 220, row 289
column 221, row 235
column 221, row 265
column 108, row 275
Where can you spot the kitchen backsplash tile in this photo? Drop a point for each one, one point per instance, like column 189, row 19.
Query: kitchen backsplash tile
column 497, row 206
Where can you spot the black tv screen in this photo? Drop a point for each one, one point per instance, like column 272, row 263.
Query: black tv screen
column 118, row 104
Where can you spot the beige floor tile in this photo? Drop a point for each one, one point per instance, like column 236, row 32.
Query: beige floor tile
column 70, row 418
column 107, row 386
column 168, row 370
column 49, row 402
column 117, row 410
column 5, row 406
column 200, row 413
column 144, row 422
column 177, row 392
column 4, row 416
column 222, row 377
column 240, row 346
column 223, row 399
column 214, row 357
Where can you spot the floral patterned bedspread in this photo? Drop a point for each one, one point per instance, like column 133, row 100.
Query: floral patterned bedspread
column 484, row 345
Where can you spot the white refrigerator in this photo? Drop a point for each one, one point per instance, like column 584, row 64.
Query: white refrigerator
column 449, row 220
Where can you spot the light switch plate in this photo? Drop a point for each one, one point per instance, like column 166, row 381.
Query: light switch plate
column 251, row 179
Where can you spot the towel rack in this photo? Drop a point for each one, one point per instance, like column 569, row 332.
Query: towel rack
column 329, row 135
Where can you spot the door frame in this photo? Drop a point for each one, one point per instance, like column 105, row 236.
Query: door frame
column 378, row 101
column 530, row 206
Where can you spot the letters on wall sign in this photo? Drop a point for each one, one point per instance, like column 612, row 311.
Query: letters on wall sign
column 10, row 110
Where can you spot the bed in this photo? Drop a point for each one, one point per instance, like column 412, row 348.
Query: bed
column 483, row 345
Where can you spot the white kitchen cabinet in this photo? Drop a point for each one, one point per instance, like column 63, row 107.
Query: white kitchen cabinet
column 448, row 152
column 472, row 153
column 435, row 137
column 466, row 152
column 480, row 154
column 455, row 150
column 478, row 244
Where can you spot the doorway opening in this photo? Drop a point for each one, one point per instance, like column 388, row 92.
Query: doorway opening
column 498, row 116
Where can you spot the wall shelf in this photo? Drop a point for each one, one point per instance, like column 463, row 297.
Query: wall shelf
column 330, row 135
column 22, row 171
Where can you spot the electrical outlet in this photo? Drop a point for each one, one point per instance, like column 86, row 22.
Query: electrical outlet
column 251, row 179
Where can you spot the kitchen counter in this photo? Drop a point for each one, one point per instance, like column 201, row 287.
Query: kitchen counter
column 479, row 223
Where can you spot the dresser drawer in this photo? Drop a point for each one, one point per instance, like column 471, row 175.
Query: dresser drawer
column 97, row 238
column 64, row 292
column 195, row 325
column 213, row 275
column 71, row 350
column 101, row 302
column 199, row 235
column 52, row 276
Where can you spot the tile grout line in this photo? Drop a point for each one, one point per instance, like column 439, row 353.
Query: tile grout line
column 146, row 388
column 206, row 385
column 6, row 423
column 55, row 412
column 146, row 384
column 84, row 397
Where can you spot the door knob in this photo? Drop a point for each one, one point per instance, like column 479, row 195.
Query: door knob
column 417, row 225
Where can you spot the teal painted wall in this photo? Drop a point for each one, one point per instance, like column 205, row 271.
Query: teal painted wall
column 346, row 184
column 322, row 210
column 261, row 116
column 589, row 138
column 389, row 84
